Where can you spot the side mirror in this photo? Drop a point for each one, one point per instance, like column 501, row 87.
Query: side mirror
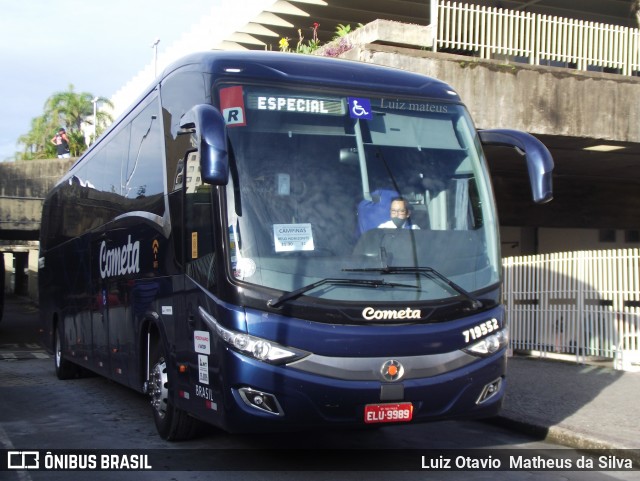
column 210, row 135
column 539, row 160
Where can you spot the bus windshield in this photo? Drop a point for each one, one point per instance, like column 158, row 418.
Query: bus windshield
column 356, row 197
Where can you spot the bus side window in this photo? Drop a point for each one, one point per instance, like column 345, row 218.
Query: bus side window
column 200, row 240
column 180, row 91
column 142, row 175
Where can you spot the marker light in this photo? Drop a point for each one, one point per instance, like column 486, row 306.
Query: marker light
column 256, row 347
column 490, row 344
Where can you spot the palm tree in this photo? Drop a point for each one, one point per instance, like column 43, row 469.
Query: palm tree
column 74, row 109
column 36, row 141
column 68, row 109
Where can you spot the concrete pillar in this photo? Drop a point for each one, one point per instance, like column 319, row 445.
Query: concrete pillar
column 21, row 265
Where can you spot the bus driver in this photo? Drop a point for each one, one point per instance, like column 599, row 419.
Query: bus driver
column 400, row 214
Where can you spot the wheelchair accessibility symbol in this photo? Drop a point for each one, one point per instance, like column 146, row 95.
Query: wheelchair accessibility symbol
column 360, row 108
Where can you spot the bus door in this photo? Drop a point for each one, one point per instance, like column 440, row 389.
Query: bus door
column 77, row 326
column 112, row 331
column 201, row 271
column 120, row 328
column 103, row 298
column 99, row 313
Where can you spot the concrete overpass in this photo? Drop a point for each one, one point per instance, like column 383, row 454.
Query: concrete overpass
column 23, row 186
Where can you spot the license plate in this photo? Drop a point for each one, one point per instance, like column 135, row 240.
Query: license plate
column 388, row 413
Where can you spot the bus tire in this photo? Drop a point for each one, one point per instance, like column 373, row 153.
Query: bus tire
column 172, row 423
column 64, row 368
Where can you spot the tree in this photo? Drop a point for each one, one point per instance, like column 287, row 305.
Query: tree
column 71, row 110
column 36, row 141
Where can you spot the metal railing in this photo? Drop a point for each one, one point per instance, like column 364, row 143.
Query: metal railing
column 488, row 32
column 584, row 303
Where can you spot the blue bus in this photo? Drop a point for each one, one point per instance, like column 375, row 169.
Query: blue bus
column 269, row 241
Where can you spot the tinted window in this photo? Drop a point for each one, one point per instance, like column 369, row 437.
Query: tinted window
column 144, row 176
column 180, row 93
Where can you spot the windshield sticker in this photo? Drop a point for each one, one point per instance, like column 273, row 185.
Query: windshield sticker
column 297, row 104
column 293, row 237
column 202, row 342
column 203, row 369
column 414, row 106
column 360, row 108
column 232, row 106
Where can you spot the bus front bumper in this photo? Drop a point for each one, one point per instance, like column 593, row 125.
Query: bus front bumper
column 263, row 397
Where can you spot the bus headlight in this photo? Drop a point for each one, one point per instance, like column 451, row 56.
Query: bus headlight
column 490, row 344
column 252, row 346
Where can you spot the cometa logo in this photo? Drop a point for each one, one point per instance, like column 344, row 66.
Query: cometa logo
column 392, row 370
column 369, row 313
column 119, row 260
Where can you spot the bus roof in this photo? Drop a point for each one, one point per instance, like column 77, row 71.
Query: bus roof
column 300, row 68
column 291, row 67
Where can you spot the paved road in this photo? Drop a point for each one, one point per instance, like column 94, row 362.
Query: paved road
column 39, row 412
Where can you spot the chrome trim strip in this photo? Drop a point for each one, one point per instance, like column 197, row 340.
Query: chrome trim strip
column 368, row 369
column 162, row 222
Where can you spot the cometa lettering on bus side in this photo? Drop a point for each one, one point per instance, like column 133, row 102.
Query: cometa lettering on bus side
column 121, row 260
column 369, row 313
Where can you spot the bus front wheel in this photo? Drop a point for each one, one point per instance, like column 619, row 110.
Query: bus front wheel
column 172, row 423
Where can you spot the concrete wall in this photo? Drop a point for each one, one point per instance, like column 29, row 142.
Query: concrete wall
column 31, row 178
column 556, row 240
column 517, row 241
column 502, row 94
column 23, row 186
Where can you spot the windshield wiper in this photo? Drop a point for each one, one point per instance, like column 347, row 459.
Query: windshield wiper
column 334, row 281
column 427, row 272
